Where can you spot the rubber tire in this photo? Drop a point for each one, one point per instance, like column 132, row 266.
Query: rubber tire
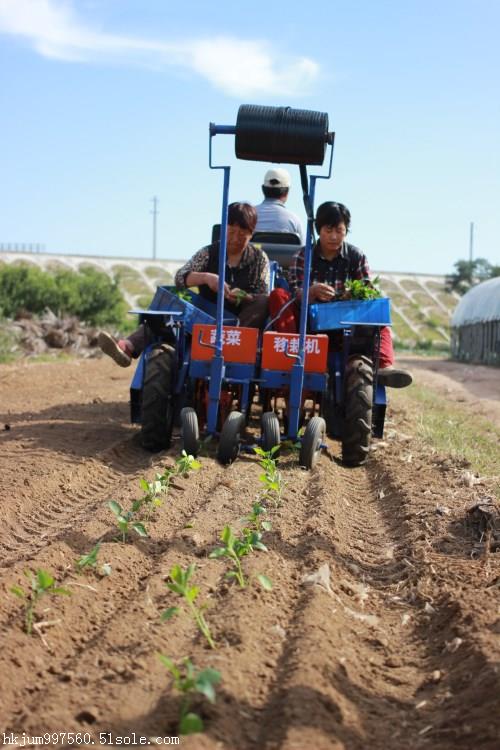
column 310, row 448
column 358, row 405
column 271, row 435
column 157, row 409
column 229, row 441
column 190, row 433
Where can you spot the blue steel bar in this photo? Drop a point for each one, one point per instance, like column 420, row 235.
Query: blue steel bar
column 217, row 369
column 222, row 129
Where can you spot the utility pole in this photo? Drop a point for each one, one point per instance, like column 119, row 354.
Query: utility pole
column 155, row 214
column 471, row 242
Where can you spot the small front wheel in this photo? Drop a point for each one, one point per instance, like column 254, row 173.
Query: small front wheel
column 313, row 438
column 190, row 433
column 230, row 437
column 270, row 431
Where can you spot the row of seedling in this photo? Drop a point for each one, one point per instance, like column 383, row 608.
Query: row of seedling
column 235, row 546
column 42, row 582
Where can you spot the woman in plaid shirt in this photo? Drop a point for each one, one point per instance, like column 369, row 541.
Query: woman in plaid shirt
column 246, row 283
column 334, row 261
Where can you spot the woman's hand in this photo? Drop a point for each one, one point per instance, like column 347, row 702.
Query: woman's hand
column 239, row 295
column 212, row 281
column 321, row 292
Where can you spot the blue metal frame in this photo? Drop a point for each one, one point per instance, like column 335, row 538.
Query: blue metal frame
column 217, row 365
column 297, row 379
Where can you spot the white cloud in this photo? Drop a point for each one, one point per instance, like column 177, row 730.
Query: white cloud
column 236, row 66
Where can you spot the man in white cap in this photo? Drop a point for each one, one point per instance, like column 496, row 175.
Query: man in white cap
column 272, row 215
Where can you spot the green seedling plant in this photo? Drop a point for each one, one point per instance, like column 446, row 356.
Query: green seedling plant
column 256, row 518
column 188, row 682
column 184, row 294
column 186, row 464
column 42, row 583
column 358, row 289
column 271, row 478
column 160, row 485
column 125, row 521
column 89, row 560
column 239, row 296
column 180, row 583
column 152, row 491
column 236, row 548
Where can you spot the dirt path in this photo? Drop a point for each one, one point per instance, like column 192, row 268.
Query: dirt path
column 397, row 647
column 475, row 386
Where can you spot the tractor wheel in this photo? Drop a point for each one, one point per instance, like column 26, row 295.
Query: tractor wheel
column 157, row 396
column 229, row 441
column 270, row 431
column 190, row 433
column 358, row 411
column 311, row 442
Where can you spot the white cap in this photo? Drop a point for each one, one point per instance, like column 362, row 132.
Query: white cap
column 277, row 178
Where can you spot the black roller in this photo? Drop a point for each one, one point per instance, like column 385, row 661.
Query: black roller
column 281, row 134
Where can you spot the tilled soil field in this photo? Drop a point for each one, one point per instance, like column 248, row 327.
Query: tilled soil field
column 381, row 630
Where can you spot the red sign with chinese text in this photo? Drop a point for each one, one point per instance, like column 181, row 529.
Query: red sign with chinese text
column 238, row 344
column 275, row 345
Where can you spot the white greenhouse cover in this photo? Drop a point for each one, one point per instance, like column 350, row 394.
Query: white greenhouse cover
column 479, row 305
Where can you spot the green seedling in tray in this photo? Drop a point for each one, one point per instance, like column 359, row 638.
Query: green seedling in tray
column 358, row 289
column 188, row 682
column 184, row 294
column 180, row 584
column 125, row 521
column 42, row 583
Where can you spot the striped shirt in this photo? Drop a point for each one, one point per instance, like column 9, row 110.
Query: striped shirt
column 348, row 265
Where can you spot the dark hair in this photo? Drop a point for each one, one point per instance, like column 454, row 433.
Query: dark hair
column 332, row 214
column 274, row 192
column 242, row 214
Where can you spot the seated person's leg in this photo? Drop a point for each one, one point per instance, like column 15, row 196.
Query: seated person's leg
column 389, row 375
column 123, row 350
column 287, row 322
column 255, row 313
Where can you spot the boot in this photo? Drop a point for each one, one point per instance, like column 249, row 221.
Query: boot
column 114, row 349
column 394, row 378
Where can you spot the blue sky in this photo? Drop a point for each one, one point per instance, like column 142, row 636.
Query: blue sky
column 106, row 103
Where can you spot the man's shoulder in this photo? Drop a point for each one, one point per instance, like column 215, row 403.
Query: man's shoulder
column 352, row 251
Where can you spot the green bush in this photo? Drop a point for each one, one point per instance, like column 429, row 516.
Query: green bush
column 90, row 294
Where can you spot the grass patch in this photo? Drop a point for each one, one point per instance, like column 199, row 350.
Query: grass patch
column 135, row 286
column 452, row 430
column 9, row 350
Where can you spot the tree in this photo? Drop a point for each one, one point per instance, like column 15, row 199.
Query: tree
column 469, row 273
column 89, row 294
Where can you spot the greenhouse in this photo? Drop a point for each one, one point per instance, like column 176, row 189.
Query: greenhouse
column 475, row 325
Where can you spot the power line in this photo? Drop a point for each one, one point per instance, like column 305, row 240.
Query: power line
column 155, row 214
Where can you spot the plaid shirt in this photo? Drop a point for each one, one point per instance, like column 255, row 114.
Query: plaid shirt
column 254, row 266
column 348, row 265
